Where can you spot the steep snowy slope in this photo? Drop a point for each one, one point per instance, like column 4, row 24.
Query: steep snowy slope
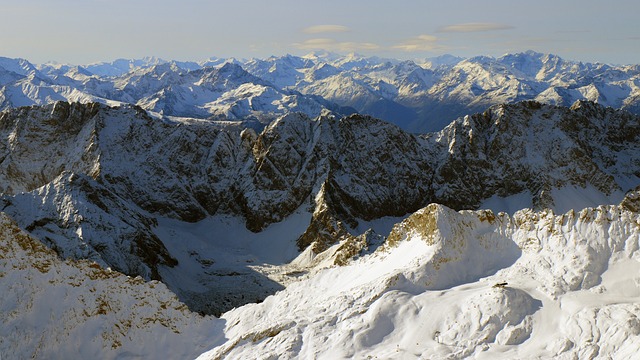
column 453, row 285
column 52, row 308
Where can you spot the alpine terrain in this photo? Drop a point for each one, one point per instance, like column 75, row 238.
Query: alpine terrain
column 419, row 96
column 297, row 207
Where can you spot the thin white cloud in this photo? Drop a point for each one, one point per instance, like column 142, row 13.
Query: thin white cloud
column 333, row 45
column 419, row 43
column 319, row 29
column 474, row 27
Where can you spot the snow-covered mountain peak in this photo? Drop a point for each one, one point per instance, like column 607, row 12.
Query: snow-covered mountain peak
column 211, row 62
column 325, row 56
column 230, row 72
column 120, row 67
column 249, row 194
column 529, row 63
column 231, row 69
column 419, row 97
column 442, row 60
column 293, row 61
column 321, row 71
column 77, row 72
column 18, row 66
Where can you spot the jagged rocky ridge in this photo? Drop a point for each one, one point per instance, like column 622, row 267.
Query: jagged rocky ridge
column 93, row 181
column 418, row 96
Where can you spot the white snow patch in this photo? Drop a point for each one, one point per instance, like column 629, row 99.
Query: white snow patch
column 509, row 204
column 575, row 198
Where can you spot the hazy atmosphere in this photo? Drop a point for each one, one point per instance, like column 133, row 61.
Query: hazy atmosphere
column 75, row 31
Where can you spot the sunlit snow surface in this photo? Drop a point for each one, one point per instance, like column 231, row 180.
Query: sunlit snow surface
column 447, row 285
column 535, row 285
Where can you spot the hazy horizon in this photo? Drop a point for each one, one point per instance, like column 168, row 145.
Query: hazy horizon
column 88, row 31
column 341, row 54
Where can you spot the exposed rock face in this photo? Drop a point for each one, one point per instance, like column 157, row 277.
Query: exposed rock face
column 82, row 219
column 39, row 143
column 532, row 147
column 90, row 180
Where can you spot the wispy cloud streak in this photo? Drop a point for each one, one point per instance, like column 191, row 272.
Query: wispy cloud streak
column 422, row 42
column 333, row 45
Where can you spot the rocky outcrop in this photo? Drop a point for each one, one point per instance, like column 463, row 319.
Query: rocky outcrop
column 82, row 219
column 39, row 143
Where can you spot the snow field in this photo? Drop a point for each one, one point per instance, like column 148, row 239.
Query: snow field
column 568, row 292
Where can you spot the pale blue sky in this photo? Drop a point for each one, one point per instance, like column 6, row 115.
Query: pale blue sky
column 84, row 31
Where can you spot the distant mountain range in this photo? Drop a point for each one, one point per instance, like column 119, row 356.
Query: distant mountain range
column 418, row 96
